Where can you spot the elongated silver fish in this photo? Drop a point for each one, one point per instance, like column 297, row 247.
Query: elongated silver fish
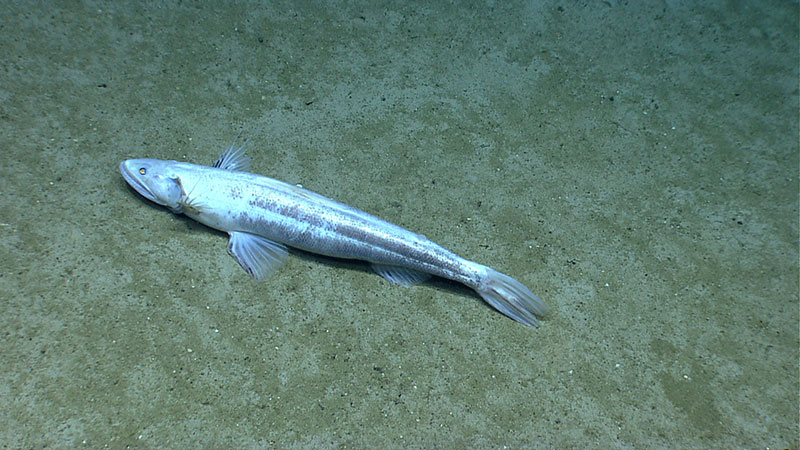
column 263, row 216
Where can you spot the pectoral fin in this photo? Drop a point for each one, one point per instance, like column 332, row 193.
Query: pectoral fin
column 400, row 275
column 258, row 256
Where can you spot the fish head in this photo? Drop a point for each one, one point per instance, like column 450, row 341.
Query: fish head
column 155, row 180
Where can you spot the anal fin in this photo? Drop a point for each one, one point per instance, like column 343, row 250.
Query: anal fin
column 400, row 275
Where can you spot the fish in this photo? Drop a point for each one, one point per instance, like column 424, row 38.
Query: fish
column 263, row 217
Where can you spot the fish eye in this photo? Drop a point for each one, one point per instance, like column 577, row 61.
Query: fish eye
column 142, row 171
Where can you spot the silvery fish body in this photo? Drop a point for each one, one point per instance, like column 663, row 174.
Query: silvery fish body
column 263, row 216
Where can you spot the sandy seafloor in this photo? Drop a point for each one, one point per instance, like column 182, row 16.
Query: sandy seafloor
column 634, row 163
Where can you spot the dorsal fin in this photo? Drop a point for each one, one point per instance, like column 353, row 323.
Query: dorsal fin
column 234, row 159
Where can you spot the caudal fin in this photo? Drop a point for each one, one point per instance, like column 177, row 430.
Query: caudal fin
column 512, row 298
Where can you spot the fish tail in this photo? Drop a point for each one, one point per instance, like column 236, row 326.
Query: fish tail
column 511, row 298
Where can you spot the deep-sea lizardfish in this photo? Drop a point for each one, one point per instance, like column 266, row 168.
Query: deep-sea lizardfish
column 263, row 216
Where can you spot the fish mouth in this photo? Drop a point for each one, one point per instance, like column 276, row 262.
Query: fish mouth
column 130, row 176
